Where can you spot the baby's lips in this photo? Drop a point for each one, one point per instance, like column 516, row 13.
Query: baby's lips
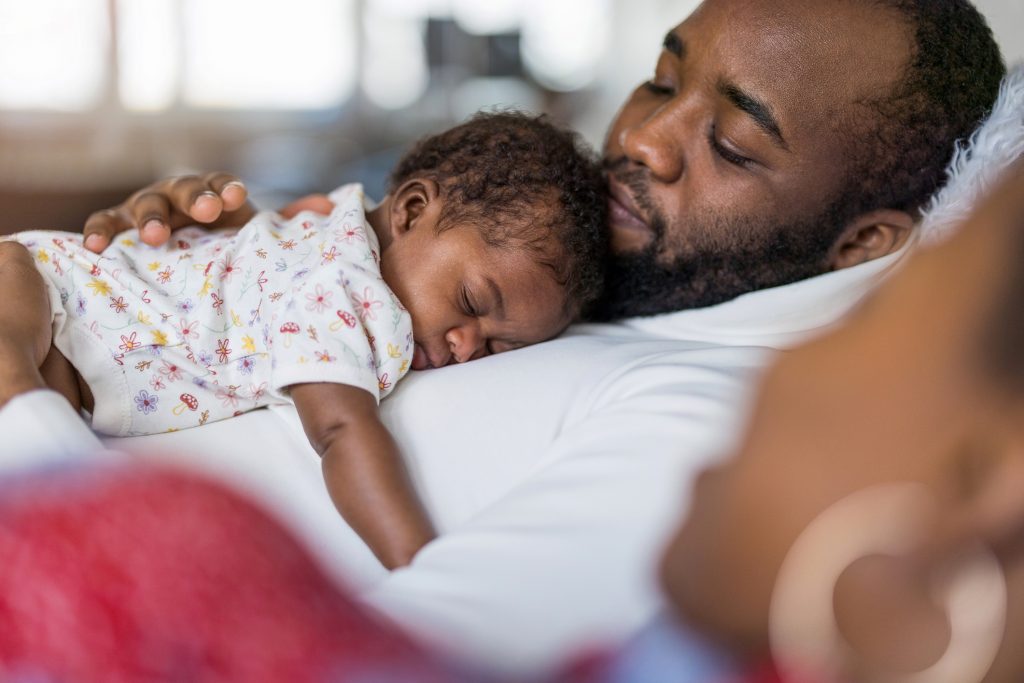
column 420, row 359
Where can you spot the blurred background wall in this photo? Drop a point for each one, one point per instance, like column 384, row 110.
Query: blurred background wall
column 99, row 97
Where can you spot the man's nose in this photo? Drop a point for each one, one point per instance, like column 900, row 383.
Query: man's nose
column 466, row 342
column 657, row 141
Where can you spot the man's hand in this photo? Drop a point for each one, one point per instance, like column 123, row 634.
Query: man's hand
column 216, row 200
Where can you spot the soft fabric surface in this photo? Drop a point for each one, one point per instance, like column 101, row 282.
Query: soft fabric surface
column 140, row 574
column 978, row 162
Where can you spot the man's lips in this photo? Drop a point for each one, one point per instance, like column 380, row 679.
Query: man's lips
column 622, row 209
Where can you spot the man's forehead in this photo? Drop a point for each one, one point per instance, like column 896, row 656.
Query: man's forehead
column 802, row 58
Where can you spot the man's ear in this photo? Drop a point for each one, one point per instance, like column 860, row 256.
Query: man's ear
column 870, row 236
column 414, row 204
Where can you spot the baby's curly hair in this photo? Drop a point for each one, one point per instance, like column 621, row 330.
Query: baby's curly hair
column 525, row 184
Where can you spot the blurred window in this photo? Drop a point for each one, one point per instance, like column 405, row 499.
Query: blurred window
column 152, row 56
column 53, row 53
column 148, row 53
column 201, row 54
column 299, row 54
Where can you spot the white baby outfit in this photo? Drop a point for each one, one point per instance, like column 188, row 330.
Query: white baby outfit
column 214, row 324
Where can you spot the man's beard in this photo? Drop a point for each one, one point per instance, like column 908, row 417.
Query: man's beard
column 724, row 257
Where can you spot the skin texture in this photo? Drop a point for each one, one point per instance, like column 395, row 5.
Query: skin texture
column 900, row 394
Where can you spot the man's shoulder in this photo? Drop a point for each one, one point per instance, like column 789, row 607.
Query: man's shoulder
column 609, row 362
column 654, row 375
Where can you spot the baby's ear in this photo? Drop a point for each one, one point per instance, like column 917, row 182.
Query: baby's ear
column 415, row 204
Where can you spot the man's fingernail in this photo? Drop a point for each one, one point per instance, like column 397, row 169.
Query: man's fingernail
column 233, row 183
column 94, row 241
column 153, row 225
column 205, row 200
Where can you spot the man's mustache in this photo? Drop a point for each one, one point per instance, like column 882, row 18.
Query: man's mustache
column 636, row 179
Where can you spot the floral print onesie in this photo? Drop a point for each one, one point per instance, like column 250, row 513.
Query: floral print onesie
column 215, row 324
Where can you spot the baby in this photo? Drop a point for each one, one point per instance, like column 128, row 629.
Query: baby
column 491, row 238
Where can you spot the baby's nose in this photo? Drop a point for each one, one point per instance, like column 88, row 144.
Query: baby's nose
column 466, row 343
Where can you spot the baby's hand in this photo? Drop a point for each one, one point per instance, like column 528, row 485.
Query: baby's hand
column 216, row 200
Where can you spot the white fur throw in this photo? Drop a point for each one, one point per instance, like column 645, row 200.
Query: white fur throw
column 977, row 165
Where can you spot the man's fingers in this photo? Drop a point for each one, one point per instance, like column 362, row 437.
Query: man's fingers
column 210, row 199
column 192, row 197
column 101, row 227
column 203, row 198
column 151, row 213
column 231, row 190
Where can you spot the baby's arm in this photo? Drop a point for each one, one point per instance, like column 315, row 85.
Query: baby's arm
column 363, row 470
column 25, row 332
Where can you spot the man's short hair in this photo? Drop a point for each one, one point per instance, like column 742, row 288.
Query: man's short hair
column 900, row 154
column 524, row 183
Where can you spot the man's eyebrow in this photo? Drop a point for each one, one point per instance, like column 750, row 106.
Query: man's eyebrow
column 674, row 44
column 758, row 110
column 499, row 301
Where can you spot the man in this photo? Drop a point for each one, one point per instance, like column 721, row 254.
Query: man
column 777, row 141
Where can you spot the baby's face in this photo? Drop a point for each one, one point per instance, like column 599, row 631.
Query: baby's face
column 468, row 299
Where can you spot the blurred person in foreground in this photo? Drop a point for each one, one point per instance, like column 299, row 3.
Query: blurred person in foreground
column 914, row 408
column 99, row 583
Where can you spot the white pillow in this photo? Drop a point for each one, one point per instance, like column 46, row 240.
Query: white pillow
column 978, row 162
